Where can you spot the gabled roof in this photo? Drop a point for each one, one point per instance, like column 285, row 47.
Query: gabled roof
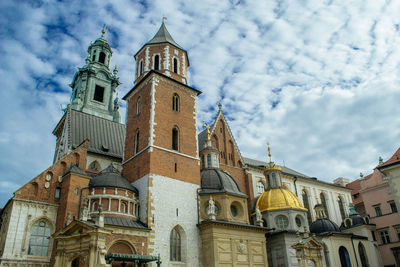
column 393, row 160
column 105, row 137
column 163, row 36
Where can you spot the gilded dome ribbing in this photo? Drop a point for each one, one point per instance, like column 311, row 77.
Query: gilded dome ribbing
column 278, row 199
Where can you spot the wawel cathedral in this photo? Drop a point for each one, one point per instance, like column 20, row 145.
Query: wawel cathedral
column 155, row 192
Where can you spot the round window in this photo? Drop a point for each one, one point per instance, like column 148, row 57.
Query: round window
column 281, row 221
column 298, row 221
column 208, row 209
column 234, row 211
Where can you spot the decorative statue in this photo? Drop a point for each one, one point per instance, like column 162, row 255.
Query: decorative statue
column 211, row 209
column 116, row 104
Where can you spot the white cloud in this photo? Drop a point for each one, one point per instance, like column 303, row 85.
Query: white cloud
column 318, row 79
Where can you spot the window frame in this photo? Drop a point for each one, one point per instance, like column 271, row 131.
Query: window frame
column 175, row 139
column 378, row 210
column 175, row 102
column 96, row 95
column 35, row 236
column 392, row 209
column 175, row 245
column 156, row 66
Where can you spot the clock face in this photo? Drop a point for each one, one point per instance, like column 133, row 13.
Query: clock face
column 48, row 177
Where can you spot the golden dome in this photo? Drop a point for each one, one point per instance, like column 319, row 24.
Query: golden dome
column 278, row 199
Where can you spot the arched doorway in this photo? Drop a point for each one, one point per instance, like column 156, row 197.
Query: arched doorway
column 344, row 257
column 78, row 262
column 121, row 247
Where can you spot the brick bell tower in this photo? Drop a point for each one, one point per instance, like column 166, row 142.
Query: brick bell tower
column 161, row 154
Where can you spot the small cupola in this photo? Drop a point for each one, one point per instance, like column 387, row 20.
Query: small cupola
column 208, row 154
column 272, row 172
column 100, row 51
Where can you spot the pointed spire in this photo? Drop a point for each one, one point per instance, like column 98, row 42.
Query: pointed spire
column 163, row 36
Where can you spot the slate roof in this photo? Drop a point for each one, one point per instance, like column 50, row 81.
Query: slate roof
column 75, row 169
column 105, row 137
column 111, row 177
column 116, row 221
column 262, row 164
column 163, row 36
column 218, row 181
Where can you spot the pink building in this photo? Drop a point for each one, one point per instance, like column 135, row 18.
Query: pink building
column 380, row 209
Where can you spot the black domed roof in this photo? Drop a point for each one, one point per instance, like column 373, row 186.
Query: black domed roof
column 323, row 226
column 111, row 177
column 215, row 181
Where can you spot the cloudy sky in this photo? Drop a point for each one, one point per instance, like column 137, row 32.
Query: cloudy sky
column 318, row 79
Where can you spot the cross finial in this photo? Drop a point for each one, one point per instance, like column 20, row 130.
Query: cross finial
column 206, row 126
column 164, row 19
column 103, row 31
column 269, row 153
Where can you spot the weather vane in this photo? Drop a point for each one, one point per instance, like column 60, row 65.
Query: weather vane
column 103, row 31
column 164, row 19
column 269, row 152
column 206, row 126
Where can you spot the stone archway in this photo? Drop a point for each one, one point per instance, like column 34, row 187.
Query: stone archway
column 121, row 247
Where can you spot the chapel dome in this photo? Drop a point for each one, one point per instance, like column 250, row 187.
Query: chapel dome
column 214, row 180
column 111, row 177
column 278, row 199
column 323, row 225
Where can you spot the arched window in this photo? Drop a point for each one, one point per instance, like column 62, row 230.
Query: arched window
column 306, row 205
column 344, row 257
column 363, row 255
column 138, row 106
column 156, row 62
column 123, row 207
column 175, row 65
column 137, row 141
column 323, row 202
column 102, row 57
column 341, row 208
column 175, row 246
column 175, row 102
column 40, row 239
column 260, row 187
column 95, row 166
column 95, row 206
column 35, row 188
column 175, row 139
column 94, row 55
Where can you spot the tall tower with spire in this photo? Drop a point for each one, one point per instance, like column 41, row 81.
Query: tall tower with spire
column 94, row 85
column 93, row 111
column 161, row 153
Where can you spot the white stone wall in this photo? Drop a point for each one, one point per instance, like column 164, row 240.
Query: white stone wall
column 168, row 196
column 23, row 215
column 142, row 186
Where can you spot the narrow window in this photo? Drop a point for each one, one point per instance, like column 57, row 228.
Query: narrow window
column 175, row 102
column 175, row 65
column 98, row 93
column 209, row 161
column 260, row 187
column 140, row 67
column 341, row 208
column 94, row 55
column 323, row 202
column 40, row 239
column 175, row 139
column 306, row 204
column 138, row 106
column 102, row 57
column 76, row 191
column 137, row 142
column 393, row 207
column 156, row 62
column 175, row 246
column 176, row 167
column 363, row 255
column 177, row 212
column 58, row 192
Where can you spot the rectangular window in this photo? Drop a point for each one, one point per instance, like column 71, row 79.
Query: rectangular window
column 378, row 211
column 98, row 93
column 393, row 206
column 373, row 235
column 397, row 228
column 384, row 236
